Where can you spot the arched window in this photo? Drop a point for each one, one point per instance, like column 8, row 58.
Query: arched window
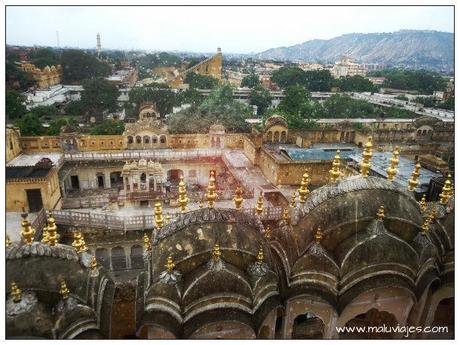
column 163, row 139
column 154, row 139
column 146, row 139
column 276, row 137
column 307, row 326
column 138, row 139
column 118, row 258
column 143, row 177
column 137, row 260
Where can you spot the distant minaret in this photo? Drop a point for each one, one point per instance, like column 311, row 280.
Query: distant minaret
column 98, row 46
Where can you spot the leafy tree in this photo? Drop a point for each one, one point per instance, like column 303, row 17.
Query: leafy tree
column 402, row 98
column 78, row 66
column 198, row 81
column 251, row 81
column 260, row 98
column 75, row 108
column 14, row 105
column 45, row 111
column 30, row 125
column 108, row 127
column 189, row 96
column 448, row 104
column 355, row 83
column 297, row 100
column 164, row 99
column 150, row 61
column 55, row 125
column 98, row 96
column 218, row 108
column 42, row 57
column 429, row 102
column 319, row 80
column 15, row 78
column 421, row 80
column 195, row 61
column 289, row 76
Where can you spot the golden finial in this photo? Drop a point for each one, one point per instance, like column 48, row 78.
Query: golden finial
column 394, row 161
column 381, row 213
column 168, row 218
column 211, row 195
column 318, row 235
column 216, row 253
column 294, row 199
column 8, row 241
column 182, row 195
column 158, row 214
column 268, row 232
column 16, row 292
column 367, row 155
column 422, row 203
column 303, row 190
column 93, row 263
column 446, row 191
column 426, row 226
column 79, row 242
column 170, row 264
column 27, row 232
column 432, row 216
column 286, row 217
column 64, row 291
column 260, row 255
column 238, row 198
column 147, row 244
column 45, row 235
column 260, row 204
column 334, row 173
column 413, row 181
column 53, row 236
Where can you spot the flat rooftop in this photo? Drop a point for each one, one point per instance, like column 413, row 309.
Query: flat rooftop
column 27, row 160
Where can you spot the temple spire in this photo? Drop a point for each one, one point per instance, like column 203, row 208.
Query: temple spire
column 27, row 232
column 446, row 191
column 294, row 199
column 381, row 213
column 422, row 203
column 211, row 195
column 158, row 214
column 367, row 155
column 53, row 236
column 260, row 204
column 286, row 217
column 182, row 195
column 147, row 244
column 64, row 291
column 394, row 161
column 8, row 241
column 79, row 242
column 16, row 292
column 413, row 181
column 318, row 235
column 303, row 189
column 238, row 198
column 216, row 253
column 334, row 173
column 170, row 264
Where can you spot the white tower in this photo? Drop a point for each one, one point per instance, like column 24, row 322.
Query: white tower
column 98, row 46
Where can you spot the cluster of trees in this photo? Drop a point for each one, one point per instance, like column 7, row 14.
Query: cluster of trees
column 15, row 78
column 78, row 66
column 422, row 81
column 198, row 81
column 218, row 107
column 251, row 81
column 146, row 63
column 320, row 80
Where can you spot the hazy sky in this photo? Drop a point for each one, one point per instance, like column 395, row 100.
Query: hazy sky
column 203, row 29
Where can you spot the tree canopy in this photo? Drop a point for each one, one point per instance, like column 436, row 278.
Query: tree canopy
column 198, row 81
column 30, row 125
column 108, row 127
column 218, row 108
column 78, row 66
column 251, row 81
column 99, row 96
column 14, row 105
column 42, row 57
column 164, row 99
column 260, row 98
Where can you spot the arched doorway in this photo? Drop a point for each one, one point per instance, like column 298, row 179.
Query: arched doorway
column 372, row 318
column 444, row 317
column 276, row 137
column 174, row 175
column 308, row 326
column 118, row 258
column 137, row 260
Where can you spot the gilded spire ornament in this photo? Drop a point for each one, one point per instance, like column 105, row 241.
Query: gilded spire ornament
column 422, row 203
column 183, row 200
column 432, row 216
column 216, row 253
column 211, row 195
column 64, row 291
column 93, row 263
column 158, row 214
column 413, row 181
column 27, row 232
column 446, row 191
column 53, row 236
column 79, row 242
column 294, row 200
column 381, row 213
column 45, row 235
column 268, row 232
column 334, row 173
column 170, row 264
column 16, row 293
column 367, row 155
column 260, row 255
column 318, row 235
column 426, row 227
column 238, row 198
column 394, row 161
column 286, row 217
column 147, row 244
column 8, row 241
column 260, row 204
column 303, row 189
column 168, row 218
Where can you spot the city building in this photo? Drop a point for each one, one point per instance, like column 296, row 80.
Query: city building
column 347, row 67
column 44, row 78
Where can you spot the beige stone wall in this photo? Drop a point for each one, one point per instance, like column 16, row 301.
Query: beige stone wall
column 13, row 143
column 16, row 196
column 101, row 142
column 41, row 144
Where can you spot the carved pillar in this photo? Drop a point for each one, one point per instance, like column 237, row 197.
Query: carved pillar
column 107, row 179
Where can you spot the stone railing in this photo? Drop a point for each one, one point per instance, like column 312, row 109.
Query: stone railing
column 141, row 222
